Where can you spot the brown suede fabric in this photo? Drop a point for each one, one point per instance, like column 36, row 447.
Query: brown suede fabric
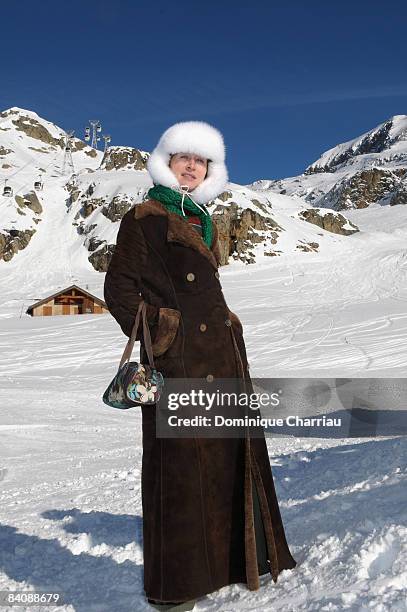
column 198, row 519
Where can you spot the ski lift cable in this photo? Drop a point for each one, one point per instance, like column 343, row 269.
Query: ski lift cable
column 21, row 187
column 31, row 163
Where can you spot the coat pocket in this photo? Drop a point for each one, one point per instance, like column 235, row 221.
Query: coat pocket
column 168, row 322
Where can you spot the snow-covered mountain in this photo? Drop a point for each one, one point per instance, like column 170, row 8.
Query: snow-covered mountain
column 65, row 232
column 70, row 495
column 371, row 168
column 33, row 150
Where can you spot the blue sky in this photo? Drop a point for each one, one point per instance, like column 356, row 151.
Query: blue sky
column 283, row 81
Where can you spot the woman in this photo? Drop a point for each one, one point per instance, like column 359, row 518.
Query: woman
column 210, row 512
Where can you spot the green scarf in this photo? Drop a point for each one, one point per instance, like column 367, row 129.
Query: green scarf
column 172, row 202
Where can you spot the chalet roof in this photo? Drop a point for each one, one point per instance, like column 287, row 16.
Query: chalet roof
column 53, row 295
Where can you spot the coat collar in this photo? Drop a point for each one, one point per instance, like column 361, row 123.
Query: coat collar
column 181, row 231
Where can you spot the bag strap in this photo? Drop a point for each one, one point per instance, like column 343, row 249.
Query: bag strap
column 141, row 311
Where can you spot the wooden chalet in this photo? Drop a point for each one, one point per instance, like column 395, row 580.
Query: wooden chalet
column 69, row 301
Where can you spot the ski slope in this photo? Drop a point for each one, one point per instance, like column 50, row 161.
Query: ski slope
column 70, row 498
column 70, row 512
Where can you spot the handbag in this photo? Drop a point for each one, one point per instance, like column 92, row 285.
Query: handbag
column 135, row 384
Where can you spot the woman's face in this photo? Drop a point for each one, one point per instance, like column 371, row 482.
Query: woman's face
column 189, row 169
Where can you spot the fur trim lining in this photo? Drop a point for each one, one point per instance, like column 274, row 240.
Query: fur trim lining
column 168, row 323
column 267, row 522
column 195, row 137
column 252, row 572
column 181, row 231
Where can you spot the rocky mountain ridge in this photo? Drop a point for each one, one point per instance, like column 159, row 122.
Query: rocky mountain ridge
column 91, row 202
column 370, row 169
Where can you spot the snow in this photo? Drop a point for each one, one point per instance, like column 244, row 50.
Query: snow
column 397, row 131
column 354, row 156
column 70, row 511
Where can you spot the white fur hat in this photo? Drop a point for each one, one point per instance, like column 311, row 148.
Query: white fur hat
column 195, row 137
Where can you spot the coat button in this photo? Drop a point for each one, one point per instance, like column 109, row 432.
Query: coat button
column 209, row 378
column 190, row 276
column 216, row 274
column 228, row 322
column 202, row 327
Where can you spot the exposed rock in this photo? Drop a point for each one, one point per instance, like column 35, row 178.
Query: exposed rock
column 376, row 184
column 79, row 145
column 364, row 188
column 36, row 130
column 236, row 231
column 89, row 206
column 94, row 243
column 10, row 111
column 29, row 200
column 329, row 221
column 117, row 207
column 83, row 229
column 375, row 141
column 74, row 193
column 124, row 157
column 4, row 151
column 225, row 195
column 307, row 246
column 37, row 150
column 5, row 166
column 91, row 188
column 400, row 195
column 14, row 241
column 371, row 168
column 100, row 259
column 260, row 205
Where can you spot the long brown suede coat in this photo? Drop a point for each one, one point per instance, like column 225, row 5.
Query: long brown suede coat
column 197, row 496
